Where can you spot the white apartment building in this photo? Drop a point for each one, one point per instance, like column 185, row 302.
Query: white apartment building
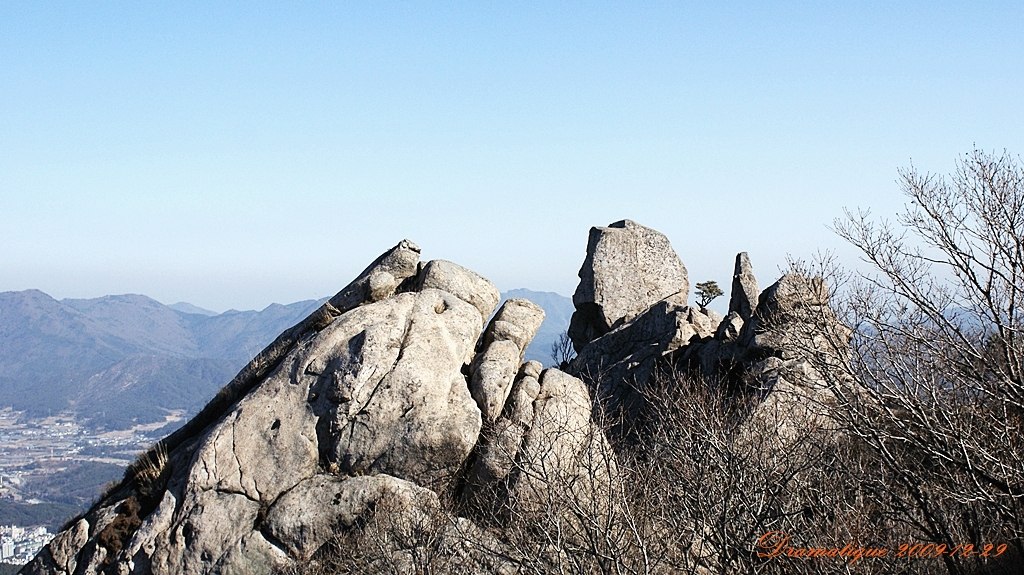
column 6, row 548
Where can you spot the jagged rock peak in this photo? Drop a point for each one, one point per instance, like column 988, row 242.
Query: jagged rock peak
column 743, row 299
column 628, row 268
column 791, row 295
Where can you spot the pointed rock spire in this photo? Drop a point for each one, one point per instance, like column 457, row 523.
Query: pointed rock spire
column 744, row 288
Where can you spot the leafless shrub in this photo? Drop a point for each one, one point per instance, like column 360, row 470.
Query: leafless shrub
column 722, row 474
column 937, row 356
column 562, row 351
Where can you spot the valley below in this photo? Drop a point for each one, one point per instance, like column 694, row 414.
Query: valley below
column 53, row 467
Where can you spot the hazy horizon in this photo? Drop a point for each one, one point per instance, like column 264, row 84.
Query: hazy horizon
column 231, row 156
column 190, row 304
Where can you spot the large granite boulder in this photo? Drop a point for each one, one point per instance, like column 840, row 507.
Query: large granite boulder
column 389, row 526
column 386, row 387
column 464, row 284
column 729, row 330
column 371, row 384
column 793, row 338
column 303, row 519
column 628, row 268
column 501, row 441
column 393, row 271
column 564, row 455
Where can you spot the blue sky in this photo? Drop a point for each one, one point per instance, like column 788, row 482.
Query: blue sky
column 234, row 155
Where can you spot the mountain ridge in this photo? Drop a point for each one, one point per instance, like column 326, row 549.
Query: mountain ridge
column 77, row 354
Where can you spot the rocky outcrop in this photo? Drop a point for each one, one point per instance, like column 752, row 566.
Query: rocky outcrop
column 619, row 363
column 62, row 552
column 462, row 283
column 386, row 388
column 393, row 396
column 369, row 385
column 563, row 448
column 795, row 402
column 729, row 330
column 501, row 442
column 504, row 344
column 628, row 269
column 789, row 322
column 794, row 320
column 303, row 519
column 387, row 274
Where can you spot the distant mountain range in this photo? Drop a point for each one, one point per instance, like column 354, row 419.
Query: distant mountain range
column 123, row 360
column 119, row 360
column 557, row 309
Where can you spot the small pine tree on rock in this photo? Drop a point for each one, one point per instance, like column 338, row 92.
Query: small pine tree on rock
column 707, row 292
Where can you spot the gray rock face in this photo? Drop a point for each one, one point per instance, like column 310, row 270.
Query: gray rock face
column 730, row 328
column 377, row 391
column 713, row 316
column 789, row 298
column 793, row 319
column 517, row 321
column 303, row 519
column 789, row 322
column 504, row 344
column 524, row 393
column 743, row 299
column 493, row 372
column 387, row 386
column 501, row 442
column 796, row 401
column 628, row 269
column 396, row 266
column 621, row 362
column 544, row 443
column 792, row 322
column 60, row 555
column 562, row 448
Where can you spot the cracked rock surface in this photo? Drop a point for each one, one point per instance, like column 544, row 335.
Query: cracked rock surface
column 504, row 345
